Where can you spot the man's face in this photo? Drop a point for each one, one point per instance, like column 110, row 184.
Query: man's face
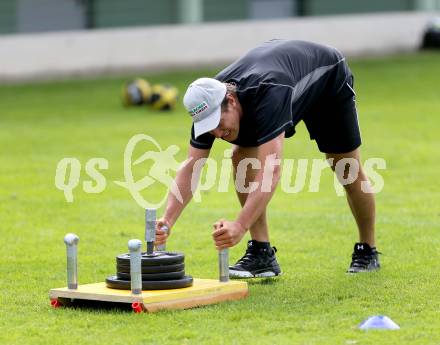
column 229, row 121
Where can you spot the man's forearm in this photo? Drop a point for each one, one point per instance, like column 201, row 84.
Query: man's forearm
column 182, row 190
column 174, row 205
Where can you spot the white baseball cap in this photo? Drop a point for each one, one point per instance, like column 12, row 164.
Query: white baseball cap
column 203, row 100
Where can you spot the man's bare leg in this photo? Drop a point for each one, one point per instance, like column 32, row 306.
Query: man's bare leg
column 362, row 204
column 259, row 260
column 259, row 230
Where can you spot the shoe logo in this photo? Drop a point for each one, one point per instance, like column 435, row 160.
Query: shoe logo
column 360, row 247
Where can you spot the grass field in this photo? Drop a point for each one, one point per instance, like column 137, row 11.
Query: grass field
column 314, row 302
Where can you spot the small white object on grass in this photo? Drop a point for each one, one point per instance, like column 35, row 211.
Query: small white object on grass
column 378, row 322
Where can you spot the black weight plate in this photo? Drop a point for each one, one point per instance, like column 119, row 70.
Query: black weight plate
column 155, row 259
column 154, row 276
column 113, row 282
column 152, row 269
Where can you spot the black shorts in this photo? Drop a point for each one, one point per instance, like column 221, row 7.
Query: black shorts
column 333, row 121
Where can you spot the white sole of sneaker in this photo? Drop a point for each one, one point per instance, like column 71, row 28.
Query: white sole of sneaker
column 363, row 271
column 240, row 274
column 246, row 274
column 265, row 275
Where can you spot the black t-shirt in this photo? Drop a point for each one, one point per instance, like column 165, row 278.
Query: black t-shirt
column 276, row 83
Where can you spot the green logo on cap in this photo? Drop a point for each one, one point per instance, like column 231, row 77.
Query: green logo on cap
column 198, row 109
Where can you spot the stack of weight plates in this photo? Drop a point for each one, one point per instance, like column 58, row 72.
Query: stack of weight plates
column 160, row 271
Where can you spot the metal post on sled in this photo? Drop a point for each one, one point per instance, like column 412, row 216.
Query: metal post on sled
column 71, row 241
column 135, row 246
column 223, row 265
column 150, row 229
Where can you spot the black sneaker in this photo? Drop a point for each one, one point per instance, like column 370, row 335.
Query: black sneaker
column 259, row 261
column 364, row 259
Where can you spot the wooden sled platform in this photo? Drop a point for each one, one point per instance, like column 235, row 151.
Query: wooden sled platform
column 203, row 292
